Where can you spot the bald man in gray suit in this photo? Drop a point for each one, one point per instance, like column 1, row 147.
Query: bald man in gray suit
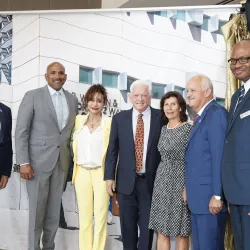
column 45, row 120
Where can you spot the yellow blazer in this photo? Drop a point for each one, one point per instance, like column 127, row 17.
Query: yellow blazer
column 79, row 122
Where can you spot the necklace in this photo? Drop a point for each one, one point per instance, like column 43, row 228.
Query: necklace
column 175, row 125
column 92, row 125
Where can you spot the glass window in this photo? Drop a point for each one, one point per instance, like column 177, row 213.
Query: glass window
column 130, row 80
column 221, row 23
column 85, row 75
column 220, row 101
column 109, row 79
column 179, row 89
column 204, row 25
column 181, row 15
column 158, row 90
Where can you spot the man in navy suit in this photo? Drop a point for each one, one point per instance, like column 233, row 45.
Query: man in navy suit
column 236, row 160
column 133, row 139
column 203, row 166
column 5, row 145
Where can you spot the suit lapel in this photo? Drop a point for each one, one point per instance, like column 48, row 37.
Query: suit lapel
column 2, row 125
column 238, row 110
column 129, row 126
column 49, row 103
column 199, row 122
column 70, row 108
column 153, row 124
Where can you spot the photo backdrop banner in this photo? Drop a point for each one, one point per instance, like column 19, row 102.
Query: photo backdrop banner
column 114, row 49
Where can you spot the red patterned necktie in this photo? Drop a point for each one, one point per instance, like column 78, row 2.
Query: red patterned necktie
column 139, row 142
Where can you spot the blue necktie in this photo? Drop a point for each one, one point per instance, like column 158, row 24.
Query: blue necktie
column 59, row 109
column 242, row 93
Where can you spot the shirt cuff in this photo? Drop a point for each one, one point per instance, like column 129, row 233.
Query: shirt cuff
column 217, row 197
column 23, row 164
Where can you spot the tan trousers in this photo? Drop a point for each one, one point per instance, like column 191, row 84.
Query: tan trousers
column 92, row 197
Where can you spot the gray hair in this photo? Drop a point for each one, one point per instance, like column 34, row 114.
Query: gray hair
column 141, row 82
column 205, row 82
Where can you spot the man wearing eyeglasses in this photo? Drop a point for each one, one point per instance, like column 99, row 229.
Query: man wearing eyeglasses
column 236, row 160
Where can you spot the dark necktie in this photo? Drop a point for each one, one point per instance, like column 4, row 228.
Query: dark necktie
column 242, row 93
column 196, row 119
column 139, row 142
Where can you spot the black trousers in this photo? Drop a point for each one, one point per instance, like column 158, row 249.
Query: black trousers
column 134, row 212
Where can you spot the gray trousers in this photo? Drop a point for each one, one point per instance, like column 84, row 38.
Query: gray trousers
column 45, row 194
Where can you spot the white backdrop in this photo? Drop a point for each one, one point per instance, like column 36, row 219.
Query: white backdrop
column 165, row 47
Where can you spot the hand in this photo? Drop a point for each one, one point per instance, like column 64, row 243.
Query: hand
column 3, row 181
column 184, row 196
column 26, row 172
column 110, row 186
column 215, row 206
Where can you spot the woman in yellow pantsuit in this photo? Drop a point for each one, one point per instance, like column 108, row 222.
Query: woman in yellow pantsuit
column 90, row 142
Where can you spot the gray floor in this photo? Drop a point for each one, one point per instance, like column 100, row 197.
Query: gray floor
column 14, row 220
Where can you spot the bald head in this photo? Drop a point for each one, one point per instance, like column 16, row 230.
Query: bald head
column 239, row 61
column 53, row 64
column 55, row 75
column 199, row 91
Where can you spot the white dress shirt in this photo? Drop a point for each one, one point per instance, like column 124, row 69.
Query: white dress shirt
column 200, row 113
column 90, row 146
column 146, row 120
column 246, row 86
column 202, row 109
column 65, row 108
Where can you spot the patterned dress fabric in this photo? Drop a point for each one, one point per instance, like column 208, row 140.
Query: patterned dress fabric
column 169, row 215
column 139, row 143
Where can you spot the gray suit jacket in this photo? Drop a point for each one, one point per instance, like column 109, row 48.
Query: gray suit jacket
column 39, row 140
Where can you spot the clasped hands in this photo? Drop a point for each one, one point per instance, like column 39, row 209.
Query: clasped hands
column 215, row 206
column 26, row 172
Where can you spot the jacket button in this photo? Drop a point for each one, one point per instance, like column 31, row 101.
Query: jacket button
column 58, row 146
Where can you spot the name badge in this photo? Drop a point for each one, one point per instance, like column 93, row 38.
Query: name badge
column 243, row 115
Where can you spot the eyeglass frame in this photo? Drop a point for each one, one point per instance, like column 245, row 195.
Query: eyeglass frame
column 246, row 58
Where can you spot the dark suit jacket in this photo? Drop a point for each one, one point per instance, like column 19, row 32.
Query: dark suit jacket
column 204, row 158
column 6, row 153
column 121, row 144
column 236, row 160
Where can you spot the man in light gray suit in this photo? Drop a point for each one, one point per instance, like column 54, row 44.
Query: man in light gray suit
column 45, row 120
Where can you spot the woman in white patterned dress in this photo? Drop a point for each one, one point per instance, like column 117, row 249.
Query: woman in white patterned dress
column 169, row 216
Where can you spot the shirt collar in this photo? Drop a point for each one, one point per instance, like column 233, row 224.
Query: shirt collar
column 202, row 109
column 247, row 86
column 146, row 112
column 53, row 91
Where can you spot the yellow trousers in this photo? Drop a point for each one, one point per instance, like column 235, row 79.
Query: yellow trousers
column 92, row 198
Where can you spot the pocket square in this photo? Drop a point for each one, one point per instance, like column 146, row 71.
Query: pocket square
column 245, row 114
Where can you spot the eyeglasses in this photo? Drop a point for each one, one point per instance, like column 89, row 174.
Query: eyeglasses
column 241, row 60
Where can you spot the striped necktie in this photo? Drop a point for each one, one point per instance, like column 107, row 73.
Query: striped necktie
column 242, row 93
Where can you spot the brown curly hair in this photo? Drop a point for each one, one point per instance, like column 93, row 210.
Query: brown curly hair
column 181, row 101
